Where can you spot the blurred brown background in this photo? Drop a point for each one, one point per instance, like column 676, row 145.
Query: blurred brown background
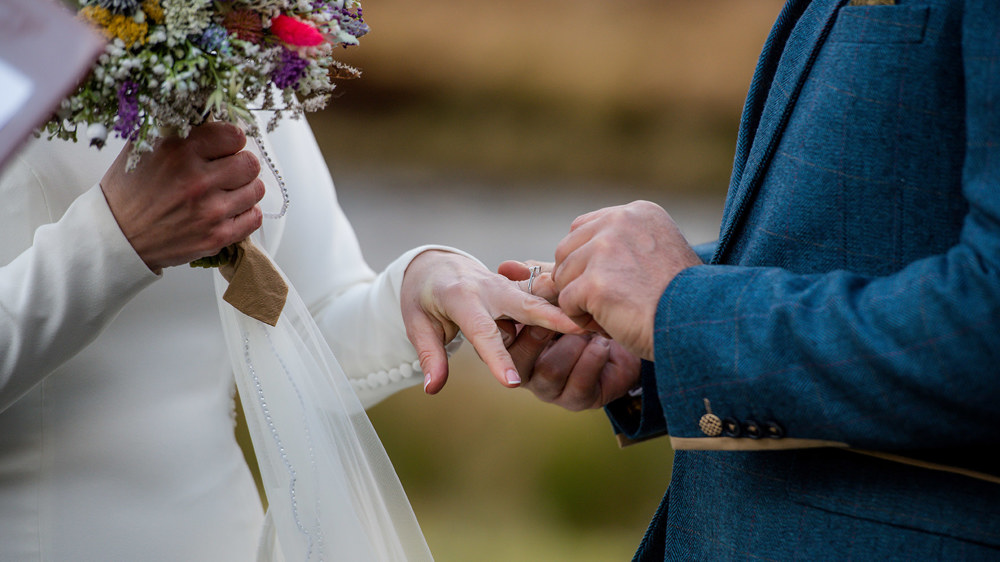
column 489, row 126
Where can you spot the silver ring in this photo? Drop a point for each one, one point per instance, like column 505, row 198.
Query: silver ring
column 535, row 270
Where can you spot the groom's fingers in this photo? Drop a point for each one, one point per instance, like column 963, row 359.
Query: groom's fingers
column 583, row 387
column 554, row 366
column 589, row 217
column 528, row 345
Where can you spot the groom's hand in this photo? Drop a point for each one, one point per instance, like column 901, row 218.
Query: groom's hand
column 577, row 372
column 188, row 198
column 613, row 267
column 444, row 293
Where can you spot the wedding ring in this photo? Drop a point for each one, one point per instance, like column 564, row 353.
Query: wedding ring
column 535, row 270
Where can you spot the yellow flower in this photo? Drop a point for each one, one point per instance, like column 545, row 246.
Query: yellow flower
column 116, row 25
column 153, row 10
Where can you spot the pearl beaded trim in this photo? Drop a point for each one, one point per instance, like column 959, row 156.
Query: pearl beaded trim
column 292, row 472
column 384, row 378
column 259, row 141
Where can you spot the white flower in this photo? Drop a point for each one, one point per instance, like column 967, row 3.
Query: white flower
column 97, row 133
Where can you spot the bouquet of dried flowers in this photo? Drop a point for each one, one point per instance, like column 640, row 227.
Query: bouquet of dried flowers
column 172, row 64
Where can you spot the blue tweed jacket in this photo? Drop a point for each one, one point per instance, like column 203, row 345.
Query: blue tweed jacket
column 831, row 381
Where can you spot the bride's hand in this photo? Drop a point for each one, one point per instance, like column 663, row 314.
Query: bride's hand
column 445, row 292
column 188, row 198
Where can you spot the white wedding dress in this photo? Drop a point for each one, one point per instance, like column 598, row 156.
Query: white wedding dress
column 116, row 392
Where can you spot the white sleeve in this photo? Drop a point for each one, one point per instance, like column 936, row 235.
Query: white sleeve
column 357, row 309
column 57, row 295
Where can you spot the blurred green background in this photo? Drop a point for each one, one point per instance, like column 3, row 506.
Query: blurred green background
column 642, row 94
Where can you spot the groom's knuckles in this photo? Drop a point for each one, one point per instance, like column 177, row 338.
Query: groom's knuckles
column 572, row 304
column 586, row 218
column 568, row 245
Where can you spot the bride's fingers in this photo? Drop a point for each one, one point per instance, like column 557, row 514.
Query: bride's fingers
column 519, row 271
column 542, row 286
column 480, row 329
column 508, row 300
column 514, row 270
column 427, row 338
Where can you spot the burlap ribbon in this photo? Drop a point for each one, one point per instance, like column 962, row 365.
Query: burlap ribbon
column 255, row 286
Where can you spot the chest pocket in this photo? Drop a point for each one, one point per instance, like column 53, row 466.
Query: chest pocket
column 880, row 24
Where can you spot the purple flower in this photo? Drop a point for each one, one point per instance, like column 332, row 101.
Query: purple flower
column 291, row 68
column 348, row 21
column 353, row 23
column 128, row 110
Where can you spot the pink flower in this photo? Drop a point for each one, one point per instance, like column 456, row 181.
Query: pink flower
column 295, row 32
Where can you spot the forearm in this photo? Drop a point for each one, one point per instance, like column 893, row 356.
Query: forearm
column 900, row 359
column 886, row 363
column 59, row 294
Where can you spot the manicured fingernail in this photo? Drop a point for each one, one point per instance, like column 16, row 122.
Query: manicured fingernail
column 427, row 381
column 512, row 377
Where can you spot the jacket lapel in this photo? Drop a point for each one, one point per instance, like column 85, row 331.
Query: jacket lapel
column 784, row 64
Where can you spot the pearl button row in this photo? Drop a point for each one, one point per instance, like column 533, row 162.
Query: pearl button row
column 384, row 378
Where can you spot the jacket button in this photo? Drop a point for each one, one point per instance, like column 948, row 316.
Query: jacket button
column 752, row 429
column 710, row 425
column 731, row 427
column 773, row 430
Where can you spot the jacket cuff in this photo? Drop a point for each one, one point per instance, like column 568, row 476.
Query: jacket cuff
column 638, row 416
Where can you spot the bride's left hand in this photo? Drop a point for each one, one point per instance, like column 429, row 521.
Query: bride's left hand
column 445, row 292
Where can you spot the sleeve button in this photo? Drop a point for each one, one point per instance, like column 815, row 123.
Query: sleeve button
column 710, row 425
column 773, row 430
column 752, row 429
column 731, row 427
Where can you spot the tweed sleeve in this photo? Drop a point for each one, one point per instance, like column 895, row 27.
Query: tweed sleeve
column 891, row 362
